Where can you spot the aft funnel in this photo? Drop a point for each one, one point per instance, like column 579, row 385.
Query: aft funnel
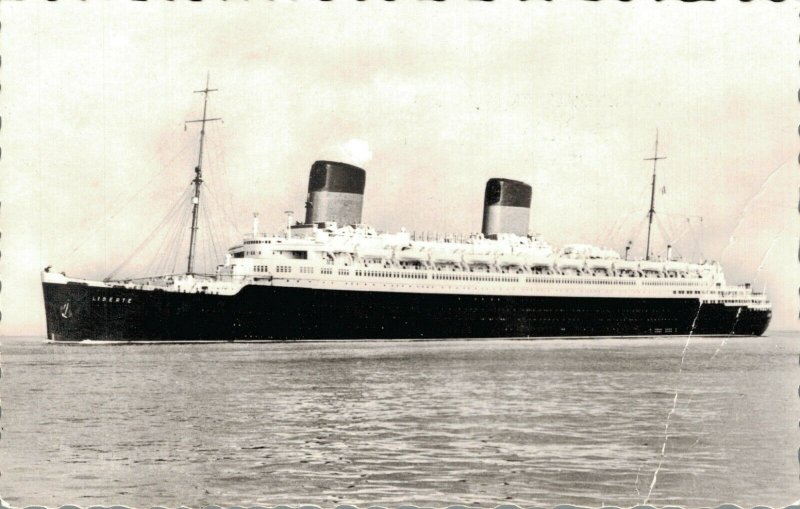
column 335, row 193
column 506, row 207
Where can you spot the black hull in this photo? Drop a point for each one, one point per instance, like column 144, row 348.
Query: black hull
column 76, row 312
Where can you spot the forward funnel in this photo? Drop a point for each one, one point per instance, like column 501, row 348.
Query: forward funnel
column 335, row 193
column 506, row 207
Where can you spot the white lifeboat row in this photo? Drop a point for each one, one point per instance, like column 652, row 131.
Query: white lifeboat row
column 508, row 253
column 526, row 254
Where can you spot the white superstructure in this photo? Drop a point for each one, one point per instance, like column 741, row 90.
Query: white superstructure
column 356, row 258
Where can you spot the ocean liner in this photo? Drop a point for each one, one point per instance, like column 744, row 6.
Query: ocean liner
column 332, row 277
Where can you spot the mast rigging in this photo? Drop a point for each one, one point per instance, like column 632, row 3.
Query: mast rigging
column 198, row 174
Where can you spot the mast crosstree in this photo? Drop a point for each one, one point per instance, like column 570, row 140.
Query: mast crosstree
column 198, row 173
column 652, row 210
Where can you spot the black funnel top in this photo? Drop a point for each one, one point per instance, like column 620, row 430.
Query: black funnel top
column 507, row 193
column 336, row 177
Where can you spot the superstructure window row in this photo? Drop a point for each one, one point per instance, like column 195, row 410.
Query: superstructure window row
column 462, row 276
column 584, row 281
column 383, row 273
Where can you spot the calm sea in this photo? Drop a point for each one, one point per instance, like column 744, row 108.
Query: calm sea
column 390, row 423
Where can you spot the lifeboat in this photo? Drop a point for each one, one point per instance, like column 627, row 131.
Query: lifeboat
column 566, row 264
column 600, row 267
column 412, row 254
column 542, row 269
column 444, row 256
column 599, row 263
column 676, row 269
column 373, row 252
column 570, row 266
column 626, row 268
column 479, row 258
column 510, row 259
column 651, row 269
column 538, row 261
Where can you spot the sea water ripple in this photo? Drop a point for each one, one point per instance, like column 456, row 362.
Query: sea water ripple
column 393, row 423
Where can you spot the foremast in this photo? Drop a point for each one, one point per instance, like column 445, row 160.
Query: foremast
column 198, row 174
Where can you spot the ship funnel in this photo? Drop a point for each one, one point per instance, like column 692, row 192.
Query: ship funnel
column 506, row 207
column 335, row 193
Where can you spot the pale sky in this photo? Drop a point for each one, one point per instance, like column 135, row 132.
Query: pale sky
column 431, row 99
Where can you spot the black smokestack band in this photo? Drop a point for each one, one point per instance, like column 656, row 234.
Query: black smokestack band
column 336, row 178
column 335, row 193
column 508, row 193
column 506, row 207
